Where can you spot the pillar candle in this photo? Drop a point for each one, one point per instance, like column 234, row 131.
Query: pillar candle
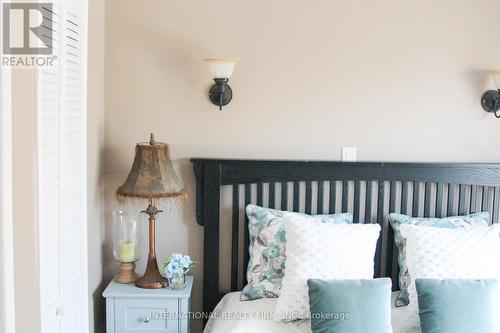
column 128, row 252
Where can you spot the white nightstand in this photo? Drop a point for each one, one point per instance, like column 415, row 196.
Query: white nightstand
column 132, row 309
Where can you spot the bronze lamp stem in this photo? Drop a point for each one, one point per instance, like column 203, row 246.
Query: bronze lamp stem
column 152, row 279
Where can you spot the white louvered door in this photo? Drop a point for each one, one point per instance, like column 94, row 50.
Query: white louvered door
column 61, row 175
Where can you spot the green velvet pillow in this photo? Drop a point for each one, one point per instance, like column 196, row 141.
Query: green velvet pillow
column 350, row 306
column 458, row 306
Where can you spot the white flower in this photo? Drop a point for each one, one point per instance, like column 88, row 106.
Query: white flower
column 177, row 263
column 184, row 263
column 169, row 270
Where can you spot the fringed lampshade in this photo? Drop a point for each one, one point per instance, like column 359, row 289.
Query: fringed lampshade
column 152, row 177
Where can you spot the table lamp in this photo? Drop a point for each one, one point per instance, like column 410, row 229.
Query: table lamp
column 152, row 178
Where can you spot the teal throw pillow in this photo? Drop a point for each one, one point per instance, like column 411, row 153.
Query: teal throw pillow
column 350, row 306
column 458, row 306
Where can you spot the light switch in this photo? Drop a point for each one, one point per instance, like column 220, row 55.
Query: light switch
column 349, row 154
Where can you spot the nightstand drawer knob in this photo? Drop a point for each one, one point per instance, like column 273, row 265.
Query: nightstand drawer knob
column 146, row 319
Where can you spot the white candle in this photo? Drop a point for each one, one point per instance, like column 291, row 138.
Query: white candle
column 128, row 252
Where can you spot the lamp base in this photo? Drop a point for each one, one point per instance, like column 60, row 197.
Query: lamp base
column 127, row 273
column 152, row 279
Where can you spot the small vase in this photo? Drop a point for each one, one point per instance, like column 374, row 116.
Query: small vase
column 178, row 281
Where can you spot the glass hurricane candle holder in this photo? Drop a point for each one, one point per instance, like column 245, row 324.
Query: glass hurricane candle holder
column 126, row 245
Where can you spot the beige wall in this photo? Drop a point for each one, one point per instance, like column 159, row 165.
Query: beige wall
column 400, row 80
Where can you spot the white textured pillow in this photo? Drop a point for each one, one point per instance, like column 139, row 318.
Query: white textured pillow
column 316, row 250
column 440, row 253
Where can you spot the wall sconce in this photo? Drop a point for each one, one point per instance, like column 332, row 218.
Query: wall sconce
column 221, row 69
column 491, row 99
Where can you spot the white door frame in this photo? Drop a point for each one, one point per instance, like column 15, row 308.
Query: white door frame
column 85, row 259
column 7, row 301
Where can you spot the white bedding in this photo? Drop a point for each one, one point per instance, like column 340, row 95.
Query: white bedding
column 234, row 316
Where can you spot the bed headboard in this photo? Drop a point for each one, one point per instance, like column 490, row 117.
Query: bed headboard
column 369, row 190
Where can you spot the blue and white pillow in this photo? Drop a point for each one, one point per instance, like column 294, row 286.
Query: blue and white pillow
column 396, row 220
column 267, row 249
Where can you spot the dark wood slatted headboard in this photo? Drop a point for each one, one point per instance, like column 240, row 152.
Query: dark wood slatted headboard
column 369, row 190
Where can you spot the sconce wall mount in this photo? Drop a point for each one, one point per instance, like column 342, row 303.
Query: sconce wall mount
column 490, row 101
column 221, row 69
column 220, row 93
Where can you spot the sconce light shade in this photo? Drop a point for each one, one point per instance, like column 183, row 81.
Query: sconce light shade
column 221, row 69
column 490, row 100
column 496, row 78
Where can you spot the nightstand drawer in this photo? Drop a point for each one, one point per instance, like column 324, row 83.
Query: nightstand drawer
column 134, row 310
column 146, row 315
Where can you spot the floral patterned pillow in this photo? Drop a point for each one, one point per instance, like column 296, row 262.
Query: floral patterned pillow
column 267, row 249
column 396, row 220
